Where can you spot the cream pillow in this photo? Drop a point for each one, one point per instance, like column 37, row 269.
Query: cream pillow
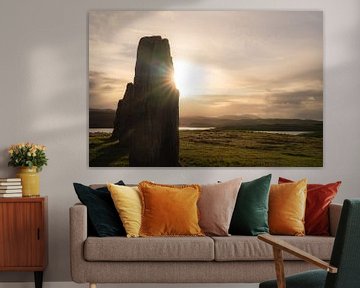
column 127, row 201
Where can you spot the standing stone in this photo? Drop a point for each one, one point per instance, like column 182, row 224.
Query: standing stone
column 147, row 118
column 122, row 121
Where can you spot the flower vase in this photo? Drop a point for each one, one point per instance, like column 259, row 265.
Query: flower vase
column 30, row 181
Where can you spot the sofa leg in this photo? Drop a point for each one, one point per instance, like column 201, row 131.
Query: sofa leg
column 92, row 285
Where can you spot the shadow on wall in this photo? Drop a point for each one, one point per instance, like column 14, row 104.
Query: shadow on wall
column 43, row 74
column 4, row 159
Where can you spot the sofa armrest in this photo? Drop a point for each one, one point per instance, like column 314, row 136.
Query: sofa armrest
column 78, row 235
column 334, row 216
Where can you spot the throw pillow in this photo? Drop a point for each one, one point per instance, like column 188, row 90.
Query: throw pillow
column 319, row 197
column 169, row 210
column 127, row 201
column 102, row 215
column 216, row 206
column 250, row 215
column 287, row 204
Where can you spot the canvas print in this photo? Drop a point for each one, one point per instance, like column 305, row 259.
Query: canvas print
column 205, row 88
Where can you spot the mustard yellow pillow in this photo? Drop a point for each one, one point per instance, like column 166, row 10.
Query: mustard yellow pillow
column 287, row 204
column 169, row 210
column 127, row 201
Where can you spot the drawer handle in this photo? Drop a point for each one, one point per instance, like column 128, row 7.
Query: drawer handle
column 38, row 234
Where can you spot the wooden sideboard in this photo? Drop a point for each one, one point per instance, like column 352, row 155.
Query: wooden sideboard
column 23, row 235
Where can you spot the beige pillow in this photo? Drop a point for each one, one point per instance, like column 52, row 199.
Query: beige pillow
column 216, row 205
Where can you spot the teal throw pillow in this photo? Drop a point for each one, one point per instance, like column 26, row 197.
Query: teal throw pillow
column 250, row 216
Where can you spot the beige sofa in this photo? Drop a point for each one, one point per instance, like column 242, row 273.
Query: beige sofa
column 234, row 259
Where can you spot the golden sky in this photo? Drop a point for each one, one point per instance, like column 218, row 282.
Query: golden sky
column 268, row 64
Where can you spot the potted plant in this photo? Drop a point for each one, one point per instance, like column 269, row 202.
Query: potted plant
column 30, row 158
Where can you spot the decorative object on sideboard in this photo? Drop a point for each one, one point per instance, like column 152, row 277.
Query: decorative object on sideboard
column 10, row 187
column 30, row 158
column 31, row 181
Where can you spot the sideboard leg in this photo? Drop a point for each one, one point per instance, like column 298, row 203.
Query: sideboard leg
column 92, row 285
column 38, row 279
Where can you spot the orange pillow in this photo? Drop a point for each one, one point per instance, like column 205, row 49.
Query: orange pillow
column 169, row 210
column 287, row 204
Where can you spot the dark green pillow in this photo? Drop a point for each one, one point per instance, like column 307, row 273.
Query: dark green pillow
column 250, row 216
column 102, row 215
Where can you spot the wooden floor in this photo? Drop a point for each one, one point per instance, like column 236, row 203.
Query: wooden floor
column 74, row 285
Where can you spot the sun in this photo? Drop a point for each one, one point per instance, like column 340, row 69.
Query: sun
column 182, row 77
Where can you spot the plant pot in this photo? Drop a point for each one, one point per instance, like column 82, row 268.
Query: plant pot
column 30, row 181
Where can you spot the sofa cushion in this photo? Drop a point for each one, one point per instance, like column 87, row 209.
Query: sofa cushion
column 127, row 201
column 244, row 248
column 318, row 199
column 250, row 215
column 216, row 206
column 102, row 216
column 169, row 210
column 149, row 249
column 287, row 204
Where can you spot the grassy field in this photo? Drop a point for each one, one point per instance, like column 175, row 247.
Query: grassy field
column 224, row 148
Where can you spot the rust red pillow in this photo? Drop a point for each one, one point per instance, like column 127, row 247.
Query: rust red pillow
column 319, row 197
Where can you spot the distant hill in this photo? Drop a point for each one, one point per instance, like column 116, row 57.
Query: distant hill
column 104, row 118
column 101, row 118
column 239, row 117
column 255, row 124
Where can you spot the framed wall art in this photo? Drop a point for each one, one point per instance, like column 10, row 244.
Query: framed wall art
column 205, row 88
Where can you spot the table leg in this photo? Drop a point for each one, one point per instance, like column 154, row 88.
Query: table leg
column 38, row 279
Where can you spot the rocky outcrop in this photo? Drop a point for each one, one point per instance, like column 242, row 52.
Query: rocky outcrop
column 147, row 118
column 123, row 117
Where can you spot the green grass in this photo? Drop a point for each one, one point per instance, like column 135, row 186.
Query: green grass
column 105, row 152
column 223, row 148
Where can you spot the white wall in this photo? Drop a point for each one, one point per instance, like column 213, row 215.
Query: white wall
column 43, row 90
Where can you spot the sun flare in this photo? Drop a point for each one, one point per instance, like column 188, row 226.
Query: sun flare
column 182, row 77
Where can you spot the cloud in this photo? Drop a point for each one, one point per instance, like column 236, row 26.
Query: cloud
column 104, row 92
column 265, row 63
column 295, row 98
column 306, row 104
